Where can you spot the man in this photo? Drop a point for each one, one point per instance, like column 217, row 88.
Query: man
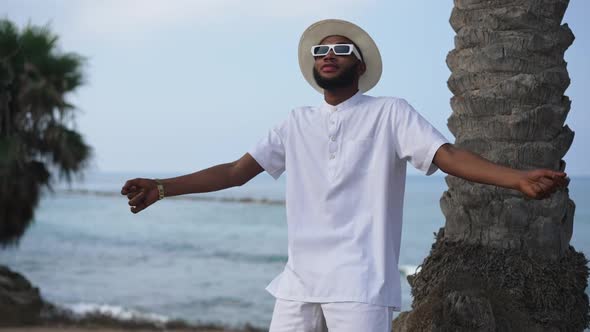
column 346, row 162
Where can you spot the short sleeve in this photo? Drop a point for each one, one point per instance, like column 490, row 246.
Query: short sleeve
column 269, row 152
column 416, row 139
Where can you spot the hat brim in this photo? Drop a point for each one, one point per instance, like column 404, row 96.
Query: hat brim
column 332, row 27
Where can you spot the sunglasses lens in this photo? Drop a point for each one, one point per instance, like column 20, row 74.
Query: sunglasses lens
column 321, row 50
column 342, row 49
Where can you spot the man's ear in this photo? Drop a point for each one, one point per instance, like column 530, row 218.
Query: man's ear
column 361, row 69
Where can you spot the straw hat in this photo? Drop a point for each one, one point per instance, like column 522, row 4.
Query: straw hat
column 322, row 29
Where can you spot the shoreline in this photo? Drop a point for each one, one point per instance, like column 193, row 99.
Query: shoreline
column 58, row 328
column 53, row 318
column 103, row 323
column 74, row 328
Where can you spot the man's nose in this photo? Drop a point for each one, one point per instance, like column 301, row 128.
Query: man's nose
column 330, row 55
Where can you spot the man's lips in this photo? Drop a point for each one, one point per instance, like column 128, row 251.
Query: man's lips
column 329, row 68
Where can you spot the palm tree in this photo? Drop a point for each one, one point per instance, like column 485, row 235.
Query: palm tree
column 36, row 139
column 35, row 122
column 503, row 262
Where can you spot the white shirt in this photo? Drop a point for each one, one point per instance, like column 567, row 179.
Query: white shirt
column 346, row 170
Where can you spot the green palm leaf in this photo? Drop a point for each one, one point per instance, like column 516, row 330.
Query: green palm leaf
column 34, row 116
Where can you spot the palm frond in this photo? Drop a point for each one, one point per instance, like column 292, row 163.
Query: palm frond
column 67, row 149
column 35, row 78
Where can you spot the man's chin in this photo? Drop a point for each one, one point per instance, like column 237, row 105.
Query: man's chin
column 328, row 81
column 331, row 77
column 327, row 78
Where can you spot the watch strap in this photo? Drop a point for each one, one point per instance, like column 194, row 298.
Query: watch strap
column 160, row 186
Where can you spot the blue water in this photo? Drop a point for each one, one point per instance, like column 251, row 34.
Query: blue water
column 203, row 261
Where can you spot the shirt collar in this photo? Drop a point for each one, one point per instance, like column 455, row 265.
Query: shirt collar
column 348, row 103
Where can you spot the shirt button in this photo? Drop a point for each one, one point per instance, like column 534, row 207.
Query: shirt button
column 332, row 156
column 332, row 121
column 333, row 138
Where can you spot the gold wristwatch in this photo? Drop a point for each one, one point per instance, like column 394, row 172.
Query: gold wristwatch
column 160, row 189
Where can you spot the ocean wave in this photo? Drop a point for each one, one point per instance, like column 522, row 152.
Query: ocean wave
column 114, row 316
column 251, row 258
column 407, row 270
column 83, row 310
column 219, row 301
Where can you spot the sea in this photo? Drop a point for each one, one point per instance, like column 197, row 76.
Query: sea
column 203, row 258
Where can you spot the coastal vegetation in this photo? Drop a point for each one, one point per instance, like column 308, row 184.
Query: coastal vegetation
column 37, row 142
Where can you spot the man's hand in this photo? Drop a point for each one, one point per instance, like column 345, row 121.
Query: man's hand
column 541, row 183
column 141, row 193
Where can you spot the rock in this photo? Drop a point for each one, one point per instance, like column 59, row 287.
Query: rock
column 20, row 302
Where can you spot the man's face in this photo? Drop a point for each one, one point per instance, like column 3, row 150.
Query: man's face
column 337, row 71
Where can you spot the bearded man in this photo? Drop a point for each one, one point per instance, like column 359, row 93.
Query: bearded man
column 346, row 160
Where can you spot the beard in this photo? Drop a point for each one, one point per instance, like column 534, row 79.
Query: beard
column 345, row 79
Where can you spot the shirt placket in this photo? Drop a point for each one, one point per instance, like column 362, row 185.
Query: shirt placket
column 333, row 141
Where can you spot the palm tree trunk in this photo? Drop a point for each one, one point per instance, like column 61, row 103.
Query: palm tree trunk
column 503, row 262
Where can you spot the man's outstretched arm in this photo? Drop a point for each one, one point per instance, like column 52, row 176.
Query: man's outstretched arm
column 538, row 183
column 144, row 192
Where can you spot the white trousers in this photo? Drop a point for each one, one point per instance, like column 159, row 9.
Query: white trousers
column 294, row 316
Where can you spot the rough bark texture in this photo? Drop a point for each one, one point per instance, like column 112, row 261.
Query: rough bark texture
column 467, row 287
column 503, row 262
column 508, row 79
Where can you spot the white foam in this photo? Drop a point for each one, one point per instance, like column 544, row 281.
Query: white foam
column 407, row 270
column 81, row 310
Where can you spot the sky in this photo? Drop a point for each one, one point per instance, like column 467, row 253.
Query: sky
column 176, row 86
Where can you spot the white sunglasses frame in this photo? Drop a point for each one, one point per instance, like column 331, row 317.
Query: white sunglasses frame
column 353, row 50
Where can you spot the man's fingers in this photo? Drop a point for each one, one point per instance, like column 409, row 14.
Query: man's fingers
column 138, row 199
column 543, row 186
column 555, row 182
column 130, row 191
column 542, row 183
column 129, row 186
column 132, row 194
column 137, row 191
column 548, row 182
column 554, row 175
column 543, row 191
column 138, row 208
